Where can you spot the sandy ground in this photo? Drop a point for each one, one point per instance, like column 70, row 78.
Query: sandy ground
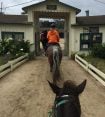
column 26, row 93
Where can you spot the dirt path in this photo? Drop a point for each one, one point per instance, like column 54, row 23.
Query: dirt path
column 26, row 93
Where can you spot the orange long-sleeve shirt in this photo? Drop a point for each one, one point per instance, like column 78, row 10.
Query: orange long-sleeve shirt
column 53, row 36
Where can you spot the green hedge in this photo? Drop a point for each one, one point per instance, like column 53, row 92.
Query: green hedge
column 98, row 50
column 13, row 47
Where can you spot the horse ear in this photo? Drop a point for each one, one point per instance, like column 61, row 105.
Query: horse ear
column 55, row 88
column 81, row 87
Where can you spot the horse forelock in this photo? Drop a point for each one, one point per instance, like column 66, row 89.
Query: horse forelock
column 69, row 83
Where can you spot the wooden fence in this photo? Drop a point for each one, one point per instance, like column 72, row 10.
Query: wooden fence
column 11, row 65
column 96, row 73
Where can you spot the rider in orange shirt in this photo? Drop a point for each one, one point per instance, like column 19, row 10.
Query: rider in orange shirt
column 53, row 36
column 53, row 39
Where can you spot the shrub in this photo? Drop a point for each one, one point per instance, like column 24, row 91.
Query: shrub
column 98, row 50
column 14, row 47
column 82, row 55
column 73, row 55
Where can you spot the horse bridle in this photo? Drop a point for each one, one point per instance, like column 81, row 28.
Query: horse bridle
column 63, row 100
column 59, row 103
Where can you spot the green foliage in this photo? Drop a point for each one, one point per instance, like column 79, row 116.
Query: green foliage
column 98, row 51
column 13, row 47
column 73, row 55
column 97, row 62
column 82, row 55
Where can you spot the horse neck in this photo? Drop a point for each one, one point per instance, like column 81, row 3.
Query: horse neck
column 69, row 109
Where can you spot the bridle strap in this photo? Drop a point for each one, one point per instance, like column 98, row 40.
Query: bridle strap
column 61, row 103
column 63, row 96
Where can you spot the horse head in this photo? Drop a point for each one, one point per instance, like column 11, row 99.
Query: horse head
column 67, row 102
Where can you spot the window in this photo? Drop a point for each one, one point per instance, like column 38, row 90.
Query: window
column 89, row 37
column 85, row 29
column 94, row 29
column 13, row 35
column 84, row 41
column 87, row 40
column 6, row 35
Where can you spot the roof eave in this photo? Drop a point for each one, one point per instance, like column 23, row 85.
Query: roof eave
column 77, row 10
column 26, row 23
column 86, row 24
column 26, row 8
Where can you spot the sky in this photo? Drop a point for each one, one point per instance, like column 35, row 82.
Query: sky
column 94, row 7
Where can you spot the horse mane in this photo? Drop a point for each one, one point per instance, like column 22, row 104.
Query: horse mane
column 69, row 84
column 69, row 87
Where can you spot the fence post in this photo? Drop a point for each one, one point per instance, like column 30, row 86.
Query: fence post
column 11, row 64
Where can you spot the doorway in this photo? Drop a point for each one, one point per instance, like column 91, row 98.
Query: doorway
column 44, row 21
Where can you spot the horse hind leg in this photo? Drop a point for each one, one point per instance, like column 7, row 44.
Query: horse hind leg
column 50, row 63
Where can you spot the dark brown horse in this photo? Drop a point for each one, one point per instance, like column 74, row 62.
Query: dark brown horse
column 67, row 102
column 54, row 54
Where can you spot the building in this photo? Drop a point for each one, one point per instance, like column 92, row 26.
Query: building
column 80, row 33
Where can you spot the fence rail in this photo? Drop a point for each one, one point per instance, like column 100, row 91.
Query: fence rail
column 11, row 65
column 96, row 73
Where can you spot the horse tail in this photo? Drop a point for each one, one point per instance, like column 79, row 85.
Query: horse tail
column 56, row 61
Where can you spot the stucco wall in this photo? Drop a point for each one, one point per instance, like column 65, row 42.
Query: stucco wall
column 76, row 37
column 78, row 30
column 102, row 30
column 27, row 29
column 74, row 43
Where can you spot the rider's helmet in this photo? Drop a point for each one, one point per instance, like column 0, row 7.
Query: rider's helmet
column 53, row 25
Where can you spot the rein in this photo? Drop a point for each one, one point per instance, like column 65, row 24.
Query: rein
column 52, row 112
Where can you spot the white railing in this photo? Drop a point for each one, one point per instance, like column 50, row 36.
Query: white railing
column 96, row 73
column 11, row 65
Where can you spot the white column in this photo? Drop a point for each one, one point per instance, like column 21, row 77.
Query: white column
column 72, row 34
column 37, row 34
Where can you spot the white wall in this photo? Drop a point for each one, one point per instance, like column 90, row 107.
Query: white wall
column 76, row 36
column 77, row 32
column 75, row 39
column 102, row 30
column 27, row 29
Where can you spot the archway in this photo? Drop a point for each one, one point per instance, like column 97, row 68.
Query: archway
column 55, row 16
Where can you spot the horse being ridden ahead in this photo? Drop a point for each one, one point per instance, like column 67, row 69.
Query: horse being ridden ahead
column 54, row 52
column 54, row 57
